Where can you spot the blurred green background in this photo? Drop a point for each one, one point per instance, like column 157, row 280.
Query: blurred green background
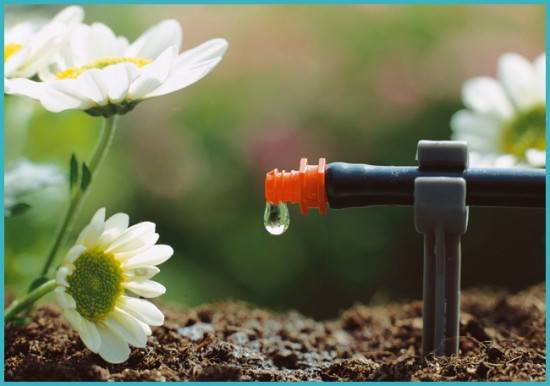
column 350, row 83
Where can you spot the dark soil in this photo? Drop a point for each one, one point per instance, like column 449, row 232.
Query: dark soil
column 502, row 338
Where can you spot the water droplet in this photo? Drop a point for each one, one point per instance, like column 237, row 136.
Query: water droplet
column 276, row 218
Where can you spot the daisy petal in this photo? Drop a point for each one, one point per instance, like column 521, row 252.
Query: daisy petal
column 128, row 327
column 117, row 78
column 118, row 221
column 505, row 161
column 518, row 77
column 61, row 276
column 114, row 227
column 192, row 65
column 486, row 96
column 478, row 160
column 142, row 310
column 536, row 157
column 89, row 335
column 103, row 43
column 85, row 232
column 74, row 318
column 211, row 49
column 142, row 86
column 156, row 39
column 70, row 14
column 19, row 33
column 142, row 273
column 94, row 85
column 133, row 238
column 64, row 299
column 153, row 75
column 113, row 348
column 156, row 255
column 69, row 88
column 51, row 98
column 145, row 288
column 92, row 42
column 482, row 124
column 15, row 61
column 90, row 235
column 137, row 247
column 481, row 131
column 74, row 253
column 179, row 80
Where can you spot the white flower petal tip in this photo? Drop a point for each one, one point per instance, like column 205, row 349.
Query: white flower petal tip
column 143, row 310
column 156, row 39
column 120, row 221
column 517, row 75
column 71, row 14
column 92, row 281
column 102, row 74
column 146, row 288
column 99, row 216
column 113, row 348
column 505, row 120
column 156, row 255
column 142, row 273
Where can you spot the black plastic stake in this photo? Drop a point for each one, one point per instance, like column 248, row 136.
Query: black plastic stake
column 441, row 216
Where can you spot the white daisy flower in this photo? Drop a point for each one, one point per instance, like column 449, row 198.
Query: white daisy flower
column 505, row 120
column 25, row 177
column 28, row 47
column 108, row 259
column 104, row 75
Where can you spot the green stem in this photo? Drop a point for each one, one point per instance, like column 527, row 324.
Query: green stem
column 105, row 140
column 19, row 305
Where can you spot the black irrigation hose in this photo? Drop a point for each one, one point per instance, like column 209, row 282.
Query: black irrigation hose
column 351, row 185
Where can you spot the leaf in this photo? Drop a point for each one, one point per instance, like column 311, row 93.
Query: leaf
column 18, row 209
column 37, row 283
column 86, row 177
column 73, row 171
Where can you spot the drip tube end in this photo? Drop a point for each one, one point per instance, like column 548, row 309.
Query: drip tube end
column 305, row 186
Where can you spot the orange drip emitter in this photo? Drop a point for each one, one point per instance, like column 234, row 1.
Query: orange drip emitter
column 305, row 186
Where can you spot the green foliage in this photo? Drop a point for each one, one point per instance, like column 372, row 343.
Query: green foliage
column 73, row 171
column 86, row 177
column 19, row 208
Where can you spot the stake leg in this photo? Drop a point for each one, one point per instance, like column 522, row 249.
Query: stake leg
column 428, row 294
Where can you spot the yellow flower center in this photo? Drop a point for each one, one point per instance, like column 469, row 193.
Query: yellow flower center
column 75, row 72
column 96, row 284
column 10, row 49
column 527, row 130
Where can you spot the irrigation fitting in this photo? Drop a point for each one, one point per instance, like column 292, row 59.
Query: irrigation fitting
column 441, row 188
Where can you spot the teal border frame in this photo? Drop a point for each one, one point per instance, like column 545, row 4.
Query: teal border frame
column 272, row 2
